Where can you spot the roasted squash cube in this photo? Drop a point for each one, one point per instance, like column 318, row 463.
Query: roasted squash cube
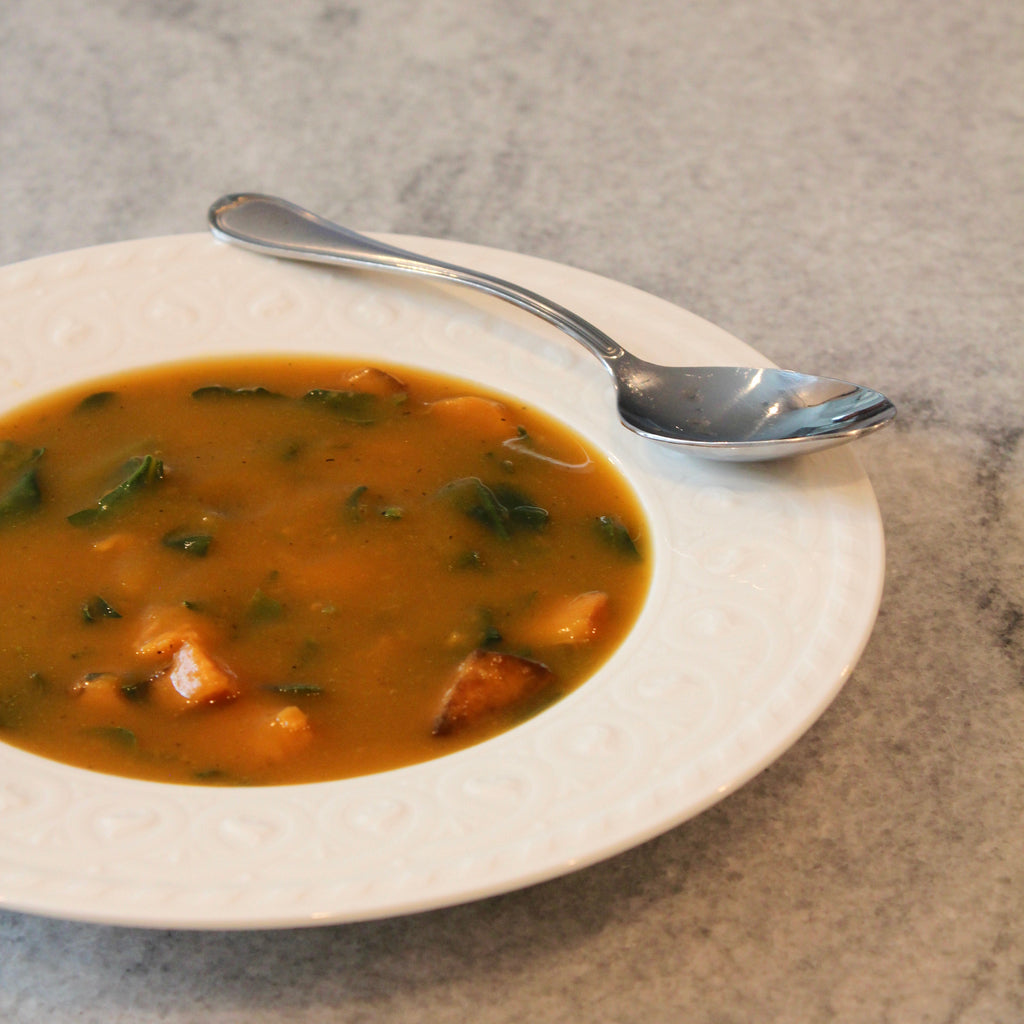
column 481, row 417
column 566, row 620
column 372, row 381
column 487, row 682
column 198, row 678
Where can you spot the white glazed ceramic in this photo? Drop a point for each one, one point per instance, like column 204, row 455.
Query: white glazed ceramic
column 766, row 585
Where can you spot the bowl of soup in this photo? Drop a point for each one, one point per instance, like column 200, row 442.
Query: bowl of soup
column 329, row 595
column 275, row 569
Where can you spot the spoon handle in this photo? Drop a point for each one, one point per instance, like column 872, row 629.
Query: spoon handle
column 278, row 228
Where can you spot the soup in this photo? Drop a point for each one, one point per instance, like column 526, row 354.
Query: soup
column 287, row 570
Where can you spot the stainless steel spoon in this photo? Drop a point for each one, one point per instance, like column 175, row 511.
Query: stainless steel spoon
column 721, row 412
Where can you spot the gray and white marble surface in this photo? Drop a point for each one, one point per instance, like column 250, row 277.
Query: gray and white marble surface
column 838, row 184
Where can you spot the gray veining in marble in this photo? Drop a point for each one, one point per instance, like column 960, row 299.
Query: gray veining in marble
column 839, row 185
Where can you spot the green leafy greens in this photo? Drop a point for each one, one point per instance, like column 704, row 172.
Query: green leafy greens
column 139, row 472
column 19, row 479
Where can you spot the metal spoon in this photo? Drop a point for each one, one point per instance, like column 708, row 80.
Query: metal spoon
column 721, row 412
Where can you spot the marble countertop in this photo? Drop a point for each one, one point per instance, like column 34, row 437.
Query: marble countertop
column 838, row 185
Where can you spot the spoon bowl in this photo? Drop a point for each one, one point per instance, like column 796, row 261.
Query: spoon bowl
column 764, row 413
column 743, row 414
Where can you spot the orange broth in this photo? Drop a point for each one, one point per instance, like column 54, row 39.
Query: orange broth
column 270, row 571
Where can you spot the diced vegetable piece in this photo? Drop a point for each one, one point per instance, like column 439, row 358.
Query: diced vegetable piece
column 284, row 736
column 479, row 416
column 486, row 682
column 139, row 472
column 567, row 620
column 290, row 719
column 372, row 381
column 198, row 678
column 177, row 643
column 164, row 630
column 115, row 542
column 271, row 737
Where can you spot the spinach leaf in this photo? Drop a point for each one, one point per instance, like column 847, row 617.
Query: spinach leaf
column 614, row 533
column 97, row 400
column 19, row 480
column 136, row 691
column 355, row 504
column 471, row 559
column 354, row 406
column 292, row 449
column 195, row 544
column 115, row 735
column 223, row 391
column 501, row 509
column 264, row 608
column 489, row 634
column 475, row 499
column 18, row 705
column 96, row 609
column 139, row 472
column 530, row 517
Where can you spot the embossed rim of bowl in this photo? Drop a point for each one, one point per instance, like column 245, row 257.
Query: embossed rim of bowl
column 766, row 586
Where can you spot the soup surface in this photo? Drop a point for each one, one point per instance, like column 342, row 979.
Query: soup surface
column 291, row 570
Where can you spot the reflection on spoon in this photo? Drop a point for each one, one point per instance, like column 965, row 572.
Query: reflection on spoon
column 721, row 412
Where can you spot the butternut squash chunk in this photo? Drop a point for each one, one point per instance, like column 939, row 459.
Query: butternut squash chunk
column 487, row 682
column 478, row 416
column 567, row 620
